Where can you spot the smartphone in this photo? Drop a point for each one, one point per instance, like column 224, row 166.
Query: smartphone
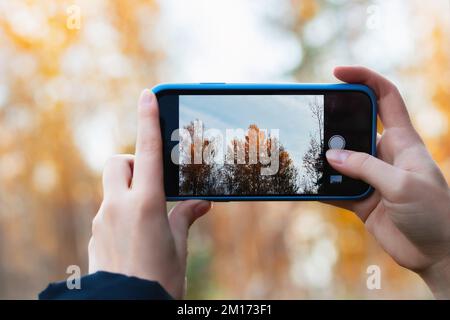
column 237, row 142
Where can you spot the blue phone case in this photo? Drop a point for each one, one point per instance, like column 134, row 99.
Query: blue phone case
column 278, row 86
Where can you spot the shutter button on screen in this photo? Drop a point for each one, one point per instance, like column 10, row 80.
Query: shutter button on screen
column 336, row 142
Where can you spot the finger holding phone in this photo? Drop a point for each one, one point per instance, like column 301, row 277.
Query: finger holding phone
column 132, row 233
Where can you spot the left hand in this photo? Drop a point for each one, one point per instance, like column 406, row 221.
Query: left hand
column 132, row 233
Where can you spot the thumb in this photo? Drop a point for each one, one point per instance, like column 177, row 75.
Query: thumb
column 358, row 165
column 181, row 217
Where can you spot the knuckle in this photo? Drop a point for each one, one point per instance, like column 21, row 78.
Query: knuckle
column 363, row 68
column 112, row 160
column 360, row 160
column 365, row 162
column 118, row 159
column 111, row 209
column 111, row 203
column 393, row 87
column 393, row 90
column 111, row 163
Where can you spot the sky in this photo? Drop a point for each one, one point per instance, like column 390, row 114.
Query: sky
column 288, row 113
column 226, row 41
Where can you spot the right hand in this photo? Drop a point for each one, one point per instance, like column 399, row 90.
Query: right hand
column 409, row 212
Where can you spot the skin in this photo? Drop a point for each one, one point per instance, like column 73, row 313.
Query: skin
column 408, row 214
column 132, row 233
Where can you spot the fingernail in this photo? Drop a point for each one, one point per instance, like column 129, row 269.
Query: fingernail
column 146, row 97
column 202, row 207
column 337, row 155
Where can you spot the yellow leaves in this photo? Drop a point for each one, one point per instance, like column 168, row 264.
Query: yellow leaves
column 436, row 71
column 439, row 68
column 11, row 166
column 306, row 9
column 44, row 177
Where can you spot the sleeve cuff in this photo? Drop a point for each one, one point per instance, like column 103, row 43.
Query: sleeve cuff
column 107, row 286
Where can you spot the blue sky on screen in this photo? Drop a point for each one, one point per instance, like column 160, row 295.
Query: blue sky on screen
column 288, row 113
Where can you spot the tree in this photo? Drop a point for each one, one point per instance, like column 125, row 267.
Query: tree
column 195, row 178
column 316, row 109
column 313, row 159
column 240, row 179
column 313, row 167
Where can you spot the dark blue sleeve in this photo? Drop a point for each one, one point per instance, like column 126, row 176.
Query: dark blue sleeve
column 106, row 286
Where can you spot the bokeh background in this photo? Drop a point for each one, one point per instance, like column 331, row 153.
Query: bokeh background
column 68, row 93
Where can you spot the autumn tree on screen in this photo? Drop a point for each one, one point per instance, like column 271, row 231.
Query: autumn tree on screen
column 195, row 178
column 243, row 176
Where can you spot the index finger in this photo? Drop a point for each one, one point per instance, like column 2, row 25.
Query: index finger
column 392, row 108
column 148, row 163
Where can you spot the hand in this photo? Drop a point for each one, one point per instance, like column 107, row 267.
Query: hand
column 132, row 233
column 409, row 212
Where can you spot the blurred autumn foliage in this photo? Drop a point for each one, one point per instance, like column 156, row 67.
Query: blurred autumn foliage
column 67, row 100
column 53, row 79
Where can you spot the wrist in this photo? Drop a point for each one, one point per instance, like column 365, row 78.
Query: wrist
column 437, row 278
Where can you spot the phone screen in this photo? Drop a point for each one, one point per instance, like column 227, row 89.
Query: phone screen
column 230, row 145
